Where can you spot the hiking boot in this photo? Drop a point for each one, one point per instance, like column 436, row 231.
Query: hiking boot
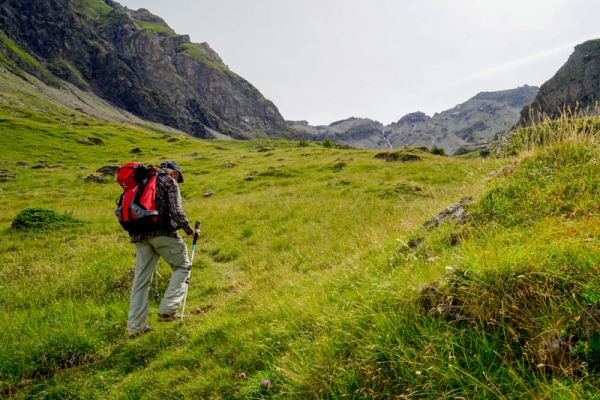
column 168, row 317
column 140, row 333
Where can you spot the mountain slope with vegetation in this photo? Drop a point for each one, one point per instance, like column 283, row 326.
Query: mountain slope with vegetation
column 134, row 61
column 314, row 273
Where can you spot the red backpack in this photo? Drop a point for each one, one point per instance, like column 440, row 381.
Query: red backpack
column 136, row 207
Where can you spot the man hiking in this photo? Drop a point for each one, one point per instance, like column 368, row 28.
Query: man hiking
column 162, row 240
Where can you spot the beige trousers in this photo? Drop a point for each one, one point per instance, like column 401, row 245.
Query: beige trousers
column 174, row 252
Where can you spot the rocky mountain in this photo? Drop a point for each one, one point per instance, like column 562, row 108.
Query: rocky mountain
column 133, row 60
column 473, row 122
column 576, row 85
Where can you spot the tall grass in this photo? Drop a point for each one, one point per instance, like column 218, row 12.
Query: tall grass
column 572, row 126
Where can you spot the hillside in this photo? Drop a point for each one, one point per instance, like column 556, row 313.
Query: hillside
column 288, row 228
column 473, row 122
column 314, row 271
column 135, row 62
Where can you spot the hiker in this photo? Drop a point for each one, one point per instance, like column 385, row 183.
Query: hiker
column 162, row 240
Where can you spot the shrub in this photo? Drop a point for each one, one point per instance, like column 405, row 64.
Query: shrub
column 327, row 143
column 303, row 143
column 438, row 151
column 42, row 218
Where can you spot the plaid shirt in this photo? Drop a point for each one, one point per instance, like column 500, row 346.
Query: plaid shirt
column 168, row 205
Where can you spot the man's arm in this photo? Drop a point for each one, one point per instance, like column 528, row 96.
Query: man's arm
column 175, row 207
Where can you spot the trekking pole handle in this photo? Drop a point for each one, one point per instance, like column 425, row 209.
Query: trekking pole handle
column 197, row 225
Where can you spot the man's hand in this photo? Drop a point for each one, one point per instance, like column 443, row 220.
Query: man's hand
column 197, row 234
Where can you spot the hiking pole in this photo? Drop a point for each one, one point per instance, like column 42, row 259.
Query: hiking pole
column 155, row 273
column 187, row 280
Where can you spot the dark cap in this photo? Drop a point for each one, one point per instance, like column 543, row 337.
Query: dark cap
column 170, row 164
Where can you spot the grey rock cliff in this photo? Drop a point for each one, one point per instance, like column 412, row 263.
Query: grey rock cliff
column 412, row 118
column 575, row 85
column 134, row 60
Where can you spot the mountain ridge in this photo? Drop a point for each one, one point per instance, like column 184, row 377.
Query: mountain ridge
column 475, row 121
column 136, row 62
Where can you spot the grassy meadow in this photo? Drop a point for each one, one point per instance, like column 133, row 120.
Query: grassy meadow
column 313, row 273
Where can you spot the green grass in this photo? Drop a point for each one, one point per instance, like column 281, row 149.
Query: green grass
column 309, row 273
column 69, row 73
column 153, row 27
column 92, row 9
column 14, row 58
column 196, row 51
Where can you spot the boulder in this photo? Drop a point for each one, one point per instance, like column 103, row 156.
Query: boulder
column 455, row 212
column 589, row 321
column 95, row 178
column 108, row 170
column 402, row 155
column 556, row 352
column 339, row 166
column 209, row 193
column 6, row 175
column 470, row 148
column 92, row 140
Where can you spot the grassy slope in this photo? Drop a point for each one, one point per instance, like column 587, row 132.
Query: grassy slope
column 288, row 259
column 303, row 276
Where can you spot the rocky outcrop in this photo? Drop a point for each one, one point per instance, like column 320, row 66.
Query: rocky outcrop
column 292, row 123
column 471, row 148
column 412, row 118
column 134, row 60
column 576, row 85
column 361, row 132
column 455, row 213
column 474, row 121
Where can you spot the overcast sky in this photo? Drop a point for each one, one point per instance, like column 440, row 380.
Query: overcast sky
column 326, row 60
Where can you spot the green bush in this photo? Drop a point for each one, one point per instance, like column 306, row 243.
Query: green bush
column 303, row 142
column 333, row 145
column 42, row 218
column 438, row 151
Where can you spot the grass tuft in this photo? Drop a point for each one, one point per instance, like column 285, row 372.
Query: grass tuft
column 37, row 218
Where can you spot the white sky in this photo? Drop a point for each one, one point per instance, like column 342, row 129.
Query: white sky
column 326, row 60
